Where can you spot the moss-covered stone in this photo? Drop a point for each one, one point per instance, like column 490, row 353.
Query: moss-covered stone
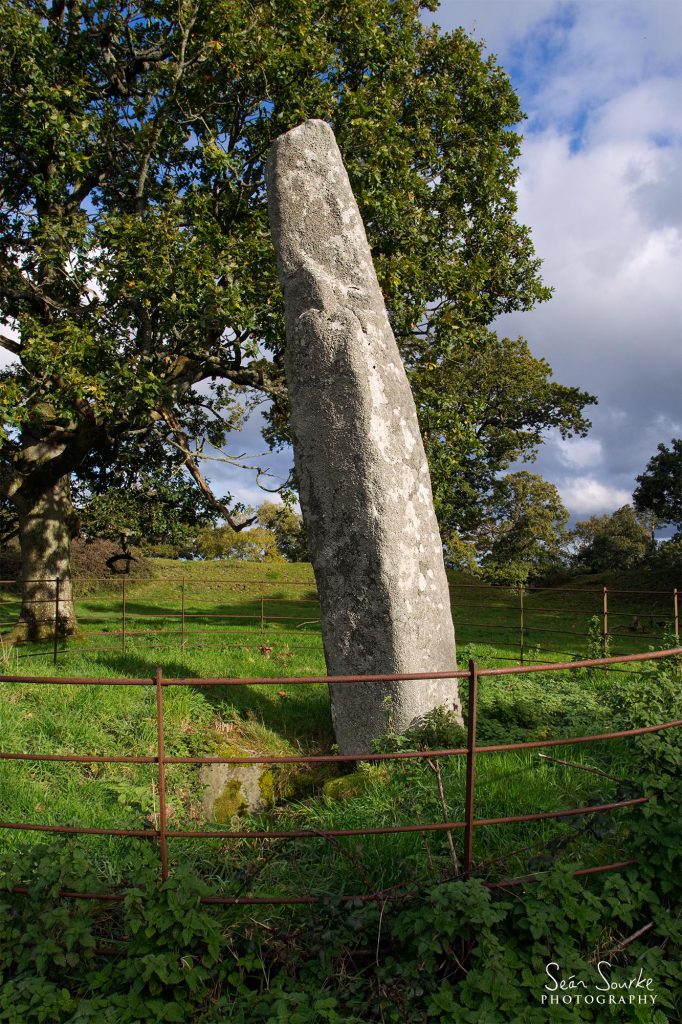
column 346, row 787
column 230, row 802
column 233, row 789
column 303, row 780
column 266, row 785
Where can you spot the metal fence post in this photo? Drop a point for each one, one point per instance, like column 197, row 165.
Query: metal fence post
column 161, row 761
column 182, row 615
column 123, row 616
column 262, row 610
column 55, row 632
column 606, row 618
column 470, row 769
column 521, row 625
column 677, row 613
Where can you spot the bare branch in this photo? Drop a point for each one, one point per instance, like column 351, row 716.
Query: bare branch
column 631, row 938
column 10, row 344
column 582, row 767
column 435, row 768
column 182, row 442
column 270, row 490
column 232, row 460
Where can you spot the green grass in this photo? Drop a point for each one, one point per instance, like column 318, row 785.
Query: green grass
column 405, row 792
column 207, row 614
column 556, row 621
column 122, row 720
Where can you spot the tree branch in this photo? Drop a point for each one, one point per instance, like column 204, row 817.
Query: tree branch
column 183, row 444
column 190, row 370
column 253, row 376
column 9, row 535
column 29, row 292
column 10, row 344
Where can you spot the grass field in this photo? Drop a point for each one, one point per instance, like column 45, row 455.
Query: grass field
column 272, row 613
column 199, row 607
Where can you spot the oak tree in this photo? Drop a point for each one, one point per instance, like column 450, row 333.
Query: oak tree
column 484, row 404
column 524, row 533
column 617, row 541
column 135, row 258
column 659, row 487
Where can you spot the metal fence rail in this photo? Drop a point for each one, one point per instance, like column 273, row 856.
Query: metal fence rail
column 472, row 749
column 255, row 607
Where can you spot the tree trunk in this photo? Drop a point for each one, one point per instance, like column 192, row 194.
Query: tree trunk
column 45, row 531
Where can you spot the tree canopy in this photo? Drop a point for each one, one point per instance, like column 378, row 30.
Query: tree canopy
column 484, row 405
column 254, row 545
column 659, row 487
column 288, row 529
column 617, row 541
column 524, row 534
column 136, row 258
column 136, row 264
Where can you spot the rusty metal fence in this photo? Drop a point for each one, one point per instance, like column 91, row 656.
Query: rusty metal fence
column 471, row 752
column 263, row 614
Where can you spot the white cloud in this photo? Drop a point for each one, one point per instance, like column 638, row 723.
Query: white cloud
column 497, row 22
column 601, row 49
column 585, row 206
column 613, row 326
column 601, row 81
column 649, row 109
column 586, row 496
column 578, row 452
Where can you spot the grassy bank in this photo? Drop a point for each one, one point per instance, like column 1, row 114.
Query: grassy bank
column 248, row 620
column 438, row 952
column 286, row 720
column 242, row 620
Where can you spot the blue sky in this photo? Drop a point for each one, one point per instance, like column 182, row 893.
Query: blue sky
column 601, row 189
column 600, row 186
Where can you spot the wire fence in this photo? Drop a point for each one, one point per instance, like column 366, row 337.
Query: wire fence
column 274, row 615
column 471, row 751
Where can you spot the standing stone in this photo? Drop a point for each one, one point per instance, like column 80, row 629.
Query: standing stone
column 364, row 481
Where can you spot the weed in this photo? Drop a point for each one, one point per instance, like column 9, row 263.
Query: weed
column 9, row 658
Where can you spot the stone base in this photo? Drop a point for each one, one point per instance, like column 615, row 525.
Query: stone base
column 235, row 789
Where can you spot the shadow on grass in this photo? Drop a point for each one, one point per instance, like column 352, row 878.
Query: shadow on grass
column 226, row 614
column 298, row 713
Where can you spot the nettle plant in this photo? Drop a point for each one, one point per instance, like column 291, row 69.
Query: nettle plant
column 453, row 952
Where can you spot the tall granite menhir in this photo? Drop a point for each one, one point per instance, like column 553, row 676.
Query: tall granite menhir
column 364, row 481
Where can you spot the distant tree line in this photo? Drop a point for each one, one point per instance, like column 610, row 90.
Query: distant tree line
column 156, row 523
column 522, row 534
